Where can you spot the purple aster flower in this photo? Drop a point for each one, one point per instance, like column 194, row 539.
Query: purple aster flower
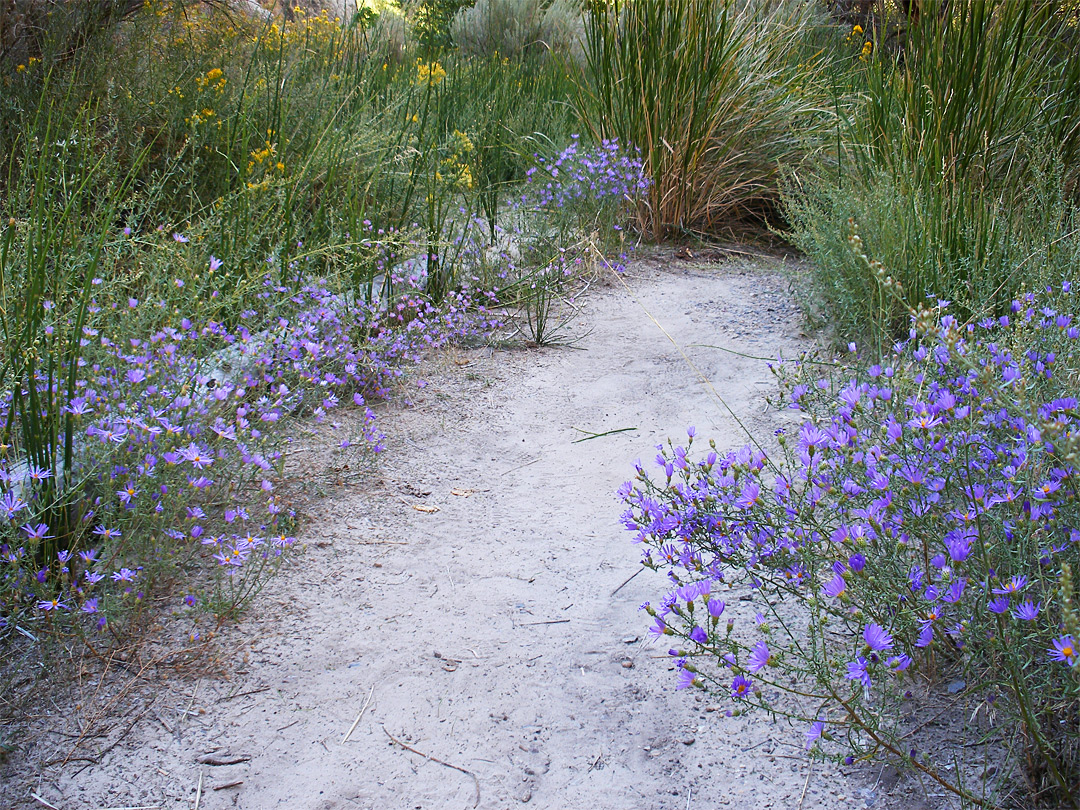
column 926, row 635
column 759, row 657
column 999, row 605
column 1014, row 585
column 38, row 532
column 741, row 687
column 898, row 663
column 857, row 671
column 179, row 238
column 834, row 587
column 1027, row 611
column 698, row 635
column 813, row 734
column 686, row 678
column 877, row 638
column 90, row 606
column 199, row 457
column 11, row 505
column 750, row 495
column 49, row 605
column 959, row 547
column 716, row 607
column 955, row 591
column 1064, row 650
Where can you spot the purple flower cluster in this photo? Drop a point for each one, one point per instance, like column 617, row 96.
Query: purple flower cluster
column 925, row 510
column 605, row 173
column 179, row 434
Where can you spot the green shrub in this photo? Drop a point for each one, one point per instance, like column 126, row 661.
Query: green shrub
column 956, row 157
column 512, row 27
column 953, row 242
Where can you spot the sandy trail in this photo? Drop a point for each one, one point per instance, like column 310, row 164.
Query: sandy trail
column 487, row 634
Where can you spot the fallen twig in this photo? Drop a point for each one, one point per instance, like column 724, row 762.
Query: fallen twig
column 198, row 792
column 40, row 800
column 476, row 781
column 596, row 762
column 805, row 785
column 356, row 722
column 244, row 694
column 627, row 581
column 551, row 621
column 210, row 759
column 590, row 435
column 235, row 783
column 521, row 466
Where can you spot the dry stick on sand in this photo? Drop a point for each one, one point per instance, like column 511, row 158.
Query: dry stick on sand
column 627, row 581
column 476, row 781
column 198, row 792
column 356, row 722
column 806, row 784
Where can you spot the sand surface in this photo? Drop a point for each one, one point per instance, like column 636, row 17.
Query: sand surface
column 491, row 635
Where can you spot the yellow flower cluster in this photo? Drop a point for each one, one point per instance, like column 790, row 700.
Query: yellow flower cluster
column 214, row 79
column 857, row 34
column 267, row 159
column 458, row 175
column 201, row 116
column 305, row 29
column 429, row 72
column 33, row 60
column 460, row 143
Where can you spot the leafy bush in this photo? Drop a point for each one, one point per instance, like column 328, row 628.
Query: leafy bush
column 938, row 138
column 510, row 28
column 921, row 522
column 711, row 93
column 951, row 240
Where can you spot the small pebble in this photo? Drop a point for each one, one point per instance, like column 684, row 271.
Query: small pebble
column 688, row 741
column 629, row 639
column 628, row 664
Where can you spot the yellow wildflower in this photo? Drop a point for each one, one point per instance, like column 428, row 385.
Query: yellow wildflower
column 429, row 72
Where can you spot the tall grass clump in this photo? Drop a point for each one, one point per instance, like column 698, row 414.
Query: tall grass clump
column 712, row 94
column 911, row 547
column 956, row 158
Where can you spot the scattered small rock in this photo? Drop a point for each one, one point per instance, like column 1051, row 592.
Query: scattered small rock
column 628, row 664
column 688, row 741
column 629, row 639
